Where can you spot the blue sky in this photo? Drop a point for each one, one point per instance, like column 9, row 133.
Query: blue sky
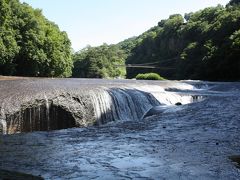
column 94, row 22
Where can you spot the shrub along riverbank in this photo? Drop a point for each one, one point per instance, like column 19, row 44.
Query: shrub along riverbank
column 149, row 76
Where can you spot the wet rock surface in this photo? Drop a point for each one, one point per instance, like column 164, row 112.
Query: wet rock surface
column 194, row 142
column 48, row 104
column 4, row 174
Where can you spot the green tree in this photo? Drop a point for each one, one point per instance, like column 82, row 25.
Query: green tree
column 234, row 2
column 205, row 46
column 31, row 45
column 106, row 61
column 8, row 43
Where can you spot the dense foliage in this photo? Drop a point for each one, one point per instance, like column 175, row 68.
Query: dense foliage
column 31, row 45
column 233, row 2
column 106, row 61
column 149, row 76
column 206, row 45
column 201, row 45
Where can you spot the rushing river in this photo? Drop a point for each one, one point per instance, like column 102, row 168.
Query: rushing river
column 121, row 129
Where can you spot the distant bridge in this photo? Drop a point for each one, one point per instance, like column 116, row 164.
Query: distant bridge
column 152, row 65
column 143, row 66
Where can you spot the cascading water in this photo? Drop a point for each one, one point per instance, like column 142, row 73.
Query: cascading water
column 120, row 104
column 41, row 117
column 47, row 112
column 3, row 126
column 68, row 108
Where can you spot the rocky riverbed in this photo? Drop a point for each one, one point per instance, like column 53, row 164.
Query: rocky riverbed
column 192, row 141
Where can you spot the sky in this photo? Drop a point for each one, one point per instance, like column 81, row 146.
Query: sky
column 94, row 22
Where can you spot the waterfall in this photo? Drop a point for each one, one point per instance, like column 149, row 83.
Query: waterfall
column 94, row 107
column 47, row 112
column 132, row 103
column 102, row 106
column 3, row 126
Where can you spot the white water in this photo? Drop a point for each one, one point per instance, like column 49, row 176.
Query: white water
column 169, row 98
column 47, row 112
column 131, row 103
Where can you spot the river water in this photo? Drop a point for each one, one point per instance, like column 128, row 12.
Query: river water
column 120, row 129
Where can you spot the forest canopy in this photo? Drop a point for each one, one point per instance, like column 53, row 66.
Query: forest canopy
column 201, row 45
column 106, row 61
column 31, row 45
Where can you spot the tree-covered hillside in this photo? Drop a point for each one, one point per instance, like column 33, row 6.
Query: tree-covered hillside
column 31, row 45
column 106, row 61
column 201, row 45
